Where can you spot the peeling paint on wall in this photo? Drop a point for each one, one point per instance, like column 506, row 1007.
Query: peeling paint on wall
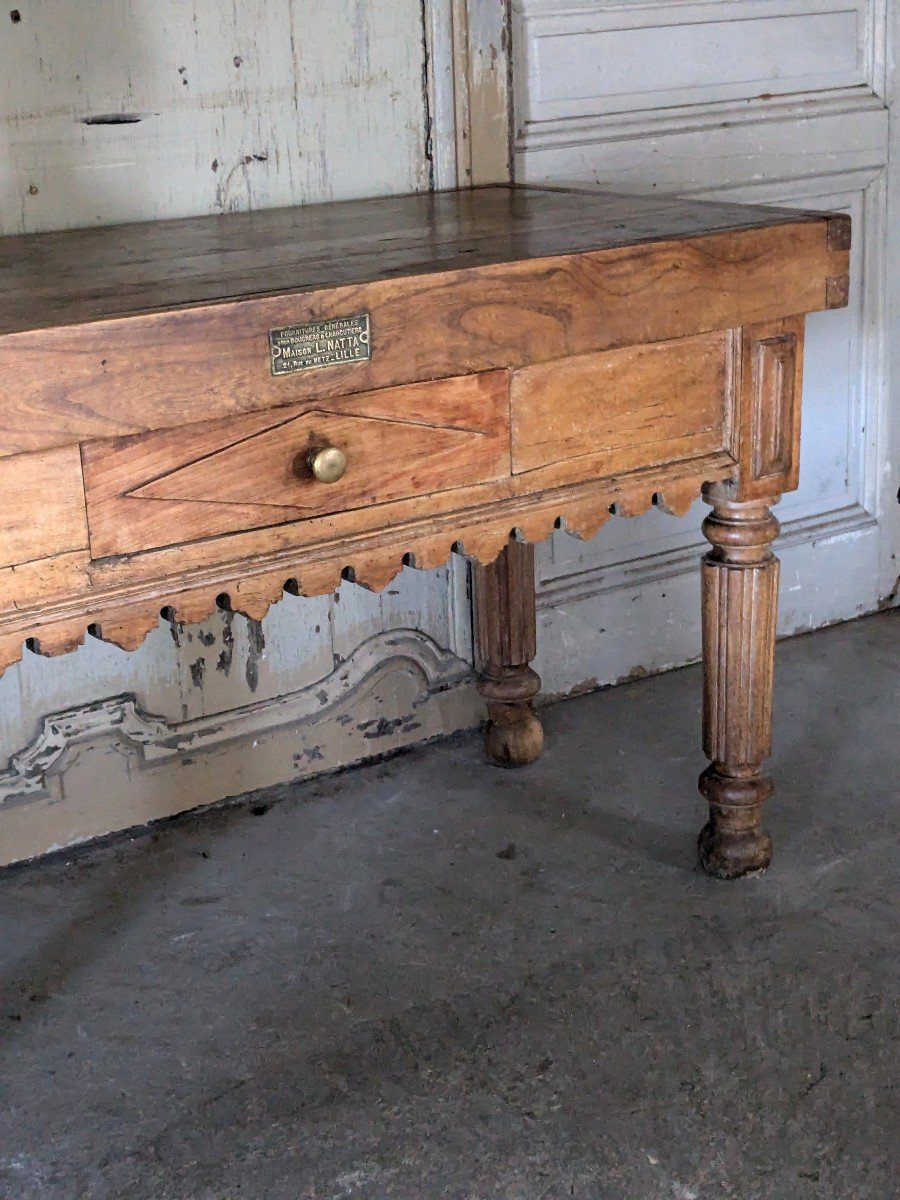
column 256, row 644
column 113, row 110
column 482, row 64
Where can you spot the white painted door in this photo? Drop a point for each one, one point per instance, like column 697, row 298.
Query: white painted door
column 766, row 101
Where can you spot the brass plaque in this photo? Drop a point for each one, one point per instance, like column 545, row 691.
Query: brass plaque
column 320, row 344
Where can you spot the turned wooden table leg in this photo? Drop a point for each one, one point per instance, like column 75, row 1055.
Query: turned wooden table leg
column 740, row 597
column 506, row 642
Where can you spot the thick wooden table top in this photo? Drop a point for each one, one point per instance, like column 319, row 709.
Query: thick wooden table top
column 83, row 275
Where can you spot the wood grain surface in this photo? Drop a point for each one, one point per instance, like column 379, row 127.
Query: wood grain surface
column 630, row 407
column 506, row 642
column 771, row 377
column 122, row 598
column 77, row 276
column 204, row 480
column 155, row 370
column 739, row 597
column 42, row 509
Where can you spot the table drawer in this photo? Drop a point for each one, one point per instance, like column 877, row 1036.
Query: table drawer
column 249, row 472
column 644, row 405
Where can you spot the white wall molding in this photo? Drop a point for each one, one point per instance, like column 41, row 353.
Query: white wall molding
column 577, row 60
column 111, row 765
column 648, row 570
column 688, row 156
column 703, row 118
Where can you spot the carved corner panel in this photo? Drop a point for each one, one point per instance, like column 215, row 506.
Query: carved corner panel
column 771, row 373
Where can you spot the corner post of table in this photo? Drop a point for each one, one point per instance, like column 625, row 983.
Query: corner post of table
column 739, row 605
column 740, row 594
column 506, row 643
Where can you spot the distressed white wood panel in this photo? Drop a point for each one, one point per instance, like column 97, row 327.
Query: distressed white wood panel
column 577, row 60
column 441, row 93
column 228, row 662
column 246, row 105
column 710, row 148
column 116, row 764
column 37, row 685
column 480, row 42
column 12, row 728
column 628, row 602
column 414, row 600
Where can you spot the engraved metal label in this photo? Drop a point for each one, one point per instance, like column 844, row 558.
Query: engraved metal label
column 320, row 344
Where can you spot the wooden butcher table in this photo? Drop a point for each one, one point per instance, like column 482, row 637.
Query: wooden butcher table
column 209, row 412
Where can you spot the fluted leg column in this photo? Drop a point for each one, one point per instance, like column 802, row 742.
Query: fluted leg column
column 740, row 598
column 506, row 637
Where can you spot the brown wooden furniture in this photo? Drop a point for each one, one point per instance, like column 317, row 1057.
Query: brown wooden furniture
column 207, row 412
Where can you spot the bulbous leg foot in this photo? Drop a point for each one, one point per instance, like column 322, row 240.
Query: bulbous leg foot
column 505, row 623
column 514, row 736
column 733, row 842
column 727, row 854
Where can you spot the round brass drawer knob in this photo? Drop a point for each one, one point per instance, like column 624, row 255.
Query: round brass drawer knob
column 328, row 465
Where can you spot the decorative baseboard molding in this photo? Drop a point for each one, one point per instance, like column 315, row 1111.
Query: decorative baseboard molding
column 709, row 117
column 154, row 739
column 110, row 765
column 120, row 717
column 597, row 579
column 639, row 618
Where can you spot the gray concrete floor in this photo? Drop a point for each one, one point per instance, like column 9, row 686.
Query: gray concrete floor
column 430, row 978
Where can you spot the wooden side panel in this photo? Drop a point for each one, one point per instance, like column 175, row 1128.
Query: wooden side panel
column 41, row 506
column 158, row 370
column 634, row 407
column 250, row 472
column 774, row 404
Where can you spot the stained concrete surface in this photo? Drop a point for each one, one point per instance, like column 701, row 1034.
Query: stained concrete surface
column 431, row 978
